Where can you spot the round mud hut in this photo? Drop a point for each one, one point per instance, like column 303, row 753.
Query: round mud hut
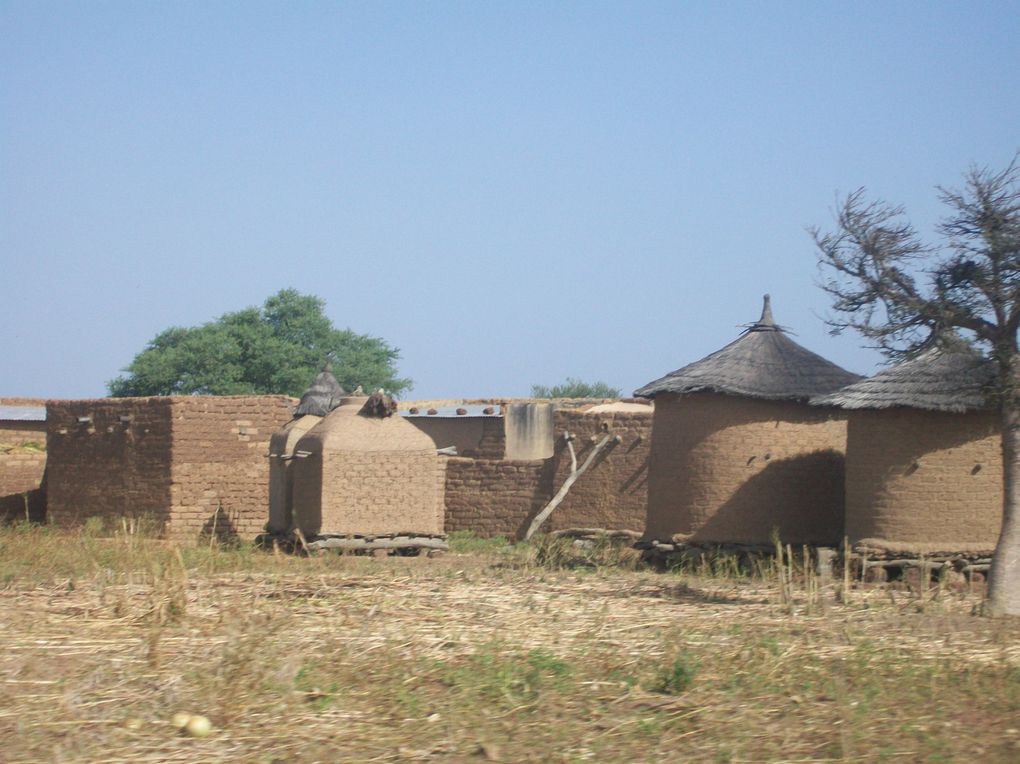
column 323, row 396
column 737, row 453
column 923, row 459
column 360, row 471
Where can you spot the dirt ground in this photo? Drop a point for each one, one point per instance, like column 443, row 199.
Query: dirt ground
column 483, row 655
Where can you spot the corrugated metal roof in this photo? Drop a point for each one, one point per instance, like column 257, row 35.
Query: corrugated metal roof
column 451, row 411
column 23, row 413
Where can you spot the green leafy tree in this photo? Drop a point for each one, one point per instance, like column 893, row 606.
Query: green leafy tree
column 900, row 291
column 575, row 388
column 277, row 348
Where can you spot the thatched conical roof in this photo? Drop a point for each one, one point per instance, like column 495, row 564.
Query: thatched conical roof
column 936, row 380
column 762, row 363
column 323, row 396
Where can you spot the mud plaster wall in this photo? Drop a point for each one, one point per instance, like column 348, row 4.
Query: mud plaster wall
column 367, row 475
column 107, row 467
column 730, row 469
column 220, row 472
column 21, row 469
column 495, row 497
column 923, row 481
column 613, row 493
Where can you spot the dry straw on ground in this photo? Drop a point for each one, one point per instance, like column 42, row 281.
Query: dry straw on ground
column 494, row 653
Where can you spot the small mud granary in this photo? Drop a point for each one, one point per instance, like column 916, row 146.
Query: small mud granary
column 351, row 471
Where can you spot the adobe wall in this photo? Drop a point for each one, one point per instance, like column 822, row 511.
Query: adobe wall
column 108, row 467
column 730, row 469
column 495, row 497
column 923, row 481
column 21, row 467
column 613, row 493
column 367, row 475
column 219, row 474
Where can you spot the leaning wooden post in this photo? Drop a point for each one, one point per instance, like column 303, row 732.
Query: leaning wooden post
column 575, row 473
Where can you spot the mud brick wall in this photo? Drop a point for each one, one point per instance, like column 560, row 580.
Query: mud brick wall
column 495, row 497
column 493, row 442
column 21, row 469
column 108, row 467
column 923, row 481
column 613, row 493
column 219, row 474
column 730, row 469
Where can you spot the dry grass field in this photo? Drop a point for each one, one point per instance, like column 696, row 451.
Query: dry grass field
column 489, row 653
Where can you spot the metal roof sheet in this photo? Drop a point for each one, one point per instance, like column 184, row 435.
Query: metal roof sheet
column 23, row 413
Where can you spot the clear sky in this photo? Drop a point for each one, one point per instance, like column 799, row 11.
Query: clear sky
column 509, row 192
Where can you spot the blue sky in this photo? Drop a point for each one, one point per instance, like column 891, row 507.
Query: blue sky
column 509, row 192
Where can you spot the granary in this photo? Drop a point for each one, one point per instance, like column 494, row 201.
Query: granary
column 923, row 459
column 22, row 458
column 362, row 472
column 190, row 464
column 737, row 453
column 324, row 395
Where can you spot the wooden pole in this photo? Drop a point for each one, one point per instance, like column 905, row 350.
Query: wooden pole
column 575, row 473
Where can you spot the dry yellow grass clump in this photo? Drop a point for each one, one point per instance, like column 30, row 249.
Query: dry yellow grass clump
column 490, row 653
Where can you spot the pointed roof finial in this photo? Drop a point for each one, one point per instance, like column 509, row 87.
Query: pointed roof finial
column 766, row 312
column 328, row 366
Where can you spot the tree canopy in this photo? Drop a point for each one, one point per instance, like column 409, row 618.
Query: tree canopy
column 277, row 348
column 904, row 294
column 575, row 388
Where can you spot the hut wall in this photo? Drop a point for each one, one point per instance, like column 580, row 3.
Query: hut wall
column 177, row 460
column 107, row 467
column 613, row 493
column 367, row 476
column 923, row 481
column 731, row 469
column 495, row 497
column 219, row 471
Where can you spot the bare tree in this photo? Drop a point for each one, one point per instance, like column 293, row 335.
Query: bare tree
column 899, row 292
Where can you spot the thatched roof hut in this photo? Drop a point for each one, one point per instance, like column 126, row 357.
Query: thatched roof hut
column 923, row 462
column 763, row 363
column 935, row 380
column 324, row 395
column 737, row 452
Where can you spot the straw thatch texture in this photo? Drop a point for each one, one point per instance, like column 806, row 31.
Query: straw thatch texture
column 936, row 380
column 762, row 363
column 323, row 396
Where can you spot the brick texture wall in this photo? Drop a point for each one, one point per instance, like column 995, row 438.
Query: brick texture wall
column 107, row 467
column 366, row 475
column 182, row 461
column 923, row 481
column 219, row 474
column 613, row 493
column 20, row 469
column 729, row 469
column 495, row 497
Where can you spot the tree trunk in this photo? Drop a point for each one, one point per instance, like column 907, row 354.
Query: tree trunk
column 1004, row 577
